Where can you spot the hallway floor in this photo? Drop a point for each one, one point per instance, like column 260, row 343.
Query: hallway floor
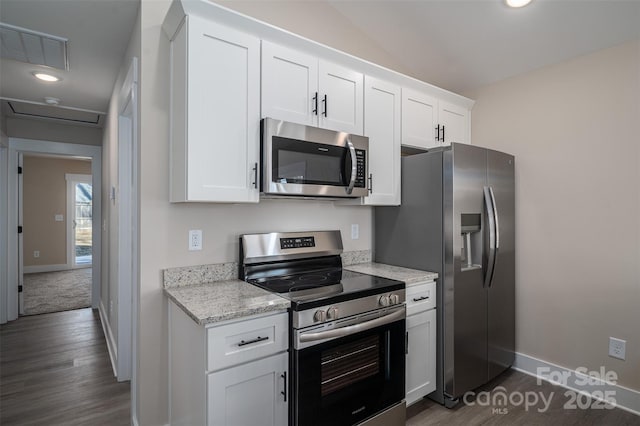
column 55, row 370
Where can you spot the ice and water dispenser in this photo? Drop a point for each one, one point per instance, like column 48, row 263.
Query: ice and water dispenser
column 471, row 256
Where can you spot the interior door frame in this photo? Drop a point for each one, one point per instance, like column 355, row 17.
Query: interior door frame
column 128, row 231
column 4, row 171
column 20, row 145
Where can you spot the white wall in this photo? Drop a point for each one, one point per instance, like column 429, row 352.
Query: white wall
column 109, row 287
column 50, row 131
column 575, row 131
column 164, row 226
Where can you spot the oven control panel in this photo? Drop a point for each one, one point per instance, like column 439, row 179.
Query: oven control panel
column 298, row 242
column 342, row 310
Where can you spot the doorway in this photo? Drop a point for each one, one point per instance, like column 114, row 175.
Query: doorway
column 19, row 147
column 57, row 248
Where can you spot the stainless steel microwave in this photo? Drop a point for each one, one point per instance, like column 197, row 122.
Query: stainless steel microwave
column 299, row 160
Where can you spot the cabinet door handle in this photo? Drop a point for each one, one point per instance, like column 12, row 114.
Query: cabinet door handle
column 443, row 133
column 406, row 343
column 284, row 379
column 315, row 103
column 437, row 132
column 370, row 183
column 255, row 175
column 324, row 101
column 417, row 299
column 249, row 342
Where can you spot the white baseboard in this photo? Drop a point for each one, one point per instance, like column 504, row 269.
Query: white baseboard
column 45, row 268
column 626, row 399
column 111, row 343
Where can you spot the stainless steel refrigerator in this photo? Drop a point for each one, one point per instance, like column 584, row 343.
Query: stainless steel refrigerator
column 457, row 219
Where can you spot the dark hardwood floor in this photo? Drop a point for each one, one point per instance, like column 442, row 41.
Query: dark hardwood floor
column 482, row 412
column 55, row 370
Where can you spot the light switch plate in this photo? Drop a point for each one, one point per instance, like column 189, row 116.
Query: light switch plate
column 355, row 231
column 59, row 218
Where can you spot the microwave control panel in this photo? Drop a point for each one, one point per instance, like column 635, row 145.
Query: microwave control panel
column 360, row 168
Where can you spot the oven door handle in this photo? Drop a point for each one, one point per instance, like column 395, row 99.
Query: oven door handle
column 356, row 328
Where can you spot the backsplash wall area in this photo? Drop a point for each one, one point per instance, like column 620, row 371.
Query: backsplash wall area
column 221, row 225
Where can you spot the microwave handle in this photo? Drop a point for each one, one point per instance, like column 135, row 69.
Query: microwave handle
column 354, row 166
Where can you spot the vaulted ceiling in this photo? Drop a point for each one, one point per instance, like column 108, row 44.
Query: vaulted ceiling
column 456, row 44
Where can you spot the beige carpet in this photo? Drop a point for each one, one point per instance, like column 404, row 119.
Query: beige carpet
column 56, row 291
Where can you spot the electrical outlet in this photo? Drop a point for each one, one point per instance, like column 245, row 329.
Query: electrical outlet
column 195, row 239
column 355, row 231
column 36, row 254
column 617, row 348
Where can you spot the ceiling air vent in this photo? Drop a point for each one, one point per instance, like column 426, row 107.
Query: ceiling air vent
column 33, row 47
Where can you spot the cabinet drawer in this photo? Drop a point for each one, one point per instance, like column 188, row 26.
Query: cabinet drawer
column 421, row 297
column 244, row 341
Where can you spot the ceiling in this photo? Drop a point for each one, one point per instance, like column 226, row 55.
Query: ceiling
column 98, row 32
column 456, row 44
column 463, row 45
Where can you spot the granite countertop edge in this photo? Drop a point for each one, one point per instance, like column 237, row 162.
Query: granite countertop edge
column 198, row 301
column 407, row 275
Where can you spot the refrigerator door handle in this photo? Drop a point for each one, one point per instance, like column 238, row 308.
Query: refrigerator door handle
column 491, row 217
column 495, row 219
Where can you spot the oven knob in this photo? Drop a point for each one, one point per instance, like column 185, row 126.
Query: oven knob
column 320, row 316
column 394, row 299
column 384, row 300
column 332, row 313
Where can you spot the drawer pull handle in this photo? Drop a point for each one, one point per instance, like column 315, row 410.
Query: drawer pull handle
column 417, row 299
column 256, row 340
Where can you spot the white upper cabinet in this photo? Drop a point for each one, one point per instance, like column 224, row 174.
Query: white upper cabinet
column 340, row 92
column 454, row 122
column 419, row 119
column 303, row 89
column 215, row 114
column 289, row 84
column 382, row 126
column 429, row 122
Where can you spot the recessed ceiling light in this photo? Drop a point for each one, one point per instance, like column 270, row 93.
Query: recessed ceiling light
column 517, row 3
column 51, row 101
column 46, row 77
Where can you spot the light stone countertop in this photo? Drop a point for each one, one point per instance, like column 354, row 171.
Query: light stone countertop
column 224, row 300
column 409, row 276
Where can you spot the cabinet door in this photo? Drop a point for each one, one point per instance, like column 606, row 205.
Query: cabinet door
column 455, row 120
column 419, row 119
column 289, row 84
column 223, row 129
column 249, row 394
column 421, row 355
column 382, row 126
column 340, row 106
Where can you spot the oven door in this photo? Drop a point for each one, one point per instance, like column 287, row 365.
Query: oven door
column 309, row 161
column 345, row 380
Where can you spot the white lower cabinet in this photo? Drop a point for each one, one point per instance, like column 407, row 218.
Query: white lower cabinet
column 255, row 393
column 421, row 342
column 228, row 374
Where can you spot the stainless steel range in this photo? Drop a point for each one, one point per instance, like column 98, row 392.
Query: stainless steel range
column 347, row 336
